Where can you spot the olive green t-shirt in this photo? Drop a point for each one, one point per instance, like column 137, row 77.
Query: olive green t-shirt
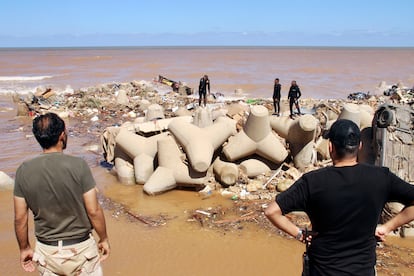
column 53, row 185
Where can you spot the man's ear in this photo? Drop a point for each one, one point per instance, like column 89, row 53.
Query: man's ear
column 62, row 136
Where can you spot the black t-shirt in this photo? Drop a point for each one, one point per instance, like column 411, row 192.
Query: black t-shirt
column 344, row 205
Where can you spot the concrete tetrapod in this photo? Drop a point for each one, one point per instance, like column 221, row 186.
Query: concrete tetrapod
column 154, row 112
column 301, row 139
column 171, row 171
column 203, row 117
column 254, row 167
column 226, row 172
column 124, row 171
column 200, row 143
column 300, row 134
column 142, row 150
column 256, row 137
column 361, row 115
column 351, row 112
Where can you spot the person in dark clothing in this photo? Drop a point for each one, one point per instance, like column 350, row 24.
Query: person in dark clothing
column 276, row 96
column 344, row 203
column 293, row 97
column 202, row 89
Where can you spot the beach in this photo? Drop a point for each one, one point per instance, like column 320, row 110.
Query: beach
column 178, row 245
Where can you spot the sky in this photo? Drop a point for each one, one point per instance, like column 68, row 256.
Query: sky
column 359, row 23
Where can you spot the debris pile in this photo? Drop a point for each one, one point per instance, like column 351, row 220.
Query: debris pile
column 150, row 132
column 153, row 135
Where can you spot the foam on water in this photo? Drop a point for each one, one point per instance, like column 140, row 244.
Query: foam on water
column 23, row 78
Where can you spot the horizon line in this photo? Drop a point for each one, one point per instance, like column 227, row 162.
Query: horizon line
column 201, row 46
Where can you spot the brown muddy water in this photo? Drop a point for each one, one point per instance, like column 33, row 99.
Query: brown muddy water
column 180, row 246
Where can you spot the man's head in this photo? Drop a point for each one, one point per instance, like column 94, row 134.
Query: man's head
column 48, row 130
column 276, row 80
column 345, row 136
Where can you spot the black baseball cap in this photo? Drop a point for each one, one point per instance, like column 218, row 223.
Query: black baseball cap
column 344, row 134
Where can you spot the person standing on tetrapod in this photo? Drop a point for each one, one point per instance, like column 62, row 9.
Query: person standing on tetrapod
column 202, row 89
column 60, row 191
column 293, row 97
column 276, row 96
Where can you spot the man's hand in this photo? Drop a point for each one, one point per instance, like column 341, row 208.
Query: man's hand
column 26, row 260
column 105, row 249
column 381, row 232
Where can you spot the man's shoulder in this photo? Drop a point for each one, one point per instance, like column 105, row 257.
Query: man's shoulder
column 55, row 157
column 73, row 158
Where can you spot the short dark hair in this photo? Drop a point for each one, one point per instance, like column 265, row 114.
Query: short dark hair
column 345, row 136
column 47, row 128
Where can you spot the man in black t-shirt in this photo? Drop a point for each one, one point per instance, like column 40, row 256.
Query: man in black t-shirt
column 344, row 203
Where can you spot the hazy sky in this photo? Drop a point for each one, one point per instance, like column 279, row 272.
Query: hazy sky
column 171, row 23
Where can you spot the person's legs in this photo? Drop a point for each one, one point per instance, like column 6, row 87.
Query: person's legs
column 202, row 94
column 278, row 106
column 291, row 101
column 275, row 105
column 297, row 107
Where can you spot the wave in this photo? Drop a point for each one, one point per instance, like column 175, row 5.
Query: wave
column 24, row 78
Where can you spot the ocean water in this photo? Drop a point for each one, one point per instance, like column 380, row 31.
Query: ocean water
column 320, row 72
column 182, row 247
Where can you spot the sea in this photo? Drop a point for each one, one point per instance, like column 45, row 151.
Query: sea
column 321, row 72
column 182, row 246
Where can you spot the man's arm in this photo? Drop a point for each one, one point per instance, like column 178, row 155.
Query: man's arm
column 405, row 216
column 200, row 86
column 97, row 218
column 274, row 214
column 21, row 216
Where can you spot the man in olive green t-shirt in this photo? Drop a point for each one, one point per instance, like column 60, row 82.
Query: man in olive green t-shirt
column 60, row 191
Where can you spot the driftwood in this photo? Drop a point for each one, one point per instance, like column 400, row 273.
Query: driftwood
column 147, row 220
column 245, row 217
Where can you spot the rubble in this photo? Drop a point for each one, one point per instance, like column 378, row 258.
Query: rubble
column 145, row 111
column 256, row 154
column 148, row 109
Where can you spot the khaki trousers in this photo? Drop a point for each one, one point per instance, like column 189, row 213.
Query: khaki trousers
column 78, row 259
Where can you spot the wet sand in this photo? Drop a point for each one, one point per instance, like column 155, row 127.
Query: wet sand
column 180, row 247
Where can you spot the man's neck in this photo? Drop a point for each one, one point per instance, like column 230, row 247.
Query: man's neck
column 345, row 163
column 53, row 149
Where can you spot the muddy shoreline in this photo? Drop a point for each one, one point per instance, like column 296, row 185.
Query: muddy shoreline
column 223, row 216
